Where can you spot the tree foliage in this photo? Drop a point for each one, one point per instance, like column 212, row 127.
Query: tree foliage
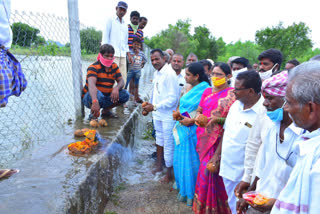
column 292, row 41
column 25, row 35
column 178, row 38
column 90, row 40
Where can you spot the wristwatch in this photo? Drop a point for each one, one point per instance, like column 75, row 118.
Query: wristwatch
column 154, row 108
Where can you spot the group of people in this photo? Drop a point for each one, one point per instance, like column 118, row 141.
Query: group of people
column 222, row 129
column 259, row 135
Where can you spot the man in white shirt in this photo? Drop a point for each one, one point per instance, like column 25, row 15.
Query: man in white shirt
column 301, row 193
column 177, row 64
column 239, row 122
column 115, row 33
column 164, row 100
column 278, row 134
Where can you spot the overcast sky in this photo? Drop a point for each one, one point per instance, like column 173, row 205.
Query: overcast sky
column 232, row 20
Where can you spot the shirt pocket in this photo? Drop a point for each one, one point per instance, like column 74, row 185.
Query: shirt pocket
column 241, row 132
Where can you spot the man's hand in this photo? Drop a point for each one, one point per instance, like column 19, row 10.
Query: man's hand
column 148, row 107
column 241, row 188
column 265, row 207
column 242, row 206
column 114, row 95
column 95, row 109
column 186, row 121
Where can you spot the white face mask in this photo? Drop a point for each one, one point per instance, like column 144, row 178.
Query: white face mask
column 265, row 75
column 235, row 73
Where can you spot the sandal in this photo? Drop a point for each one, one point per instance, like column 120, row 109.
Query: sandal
column 6, row 173
column 109, row 114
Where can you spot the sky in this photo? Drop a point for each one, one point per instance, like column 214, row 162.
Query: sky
column 232, row 20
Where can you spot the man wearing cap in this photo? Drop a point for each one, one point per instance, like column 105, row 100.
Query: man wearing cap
column 115, row 33
column 277, row 135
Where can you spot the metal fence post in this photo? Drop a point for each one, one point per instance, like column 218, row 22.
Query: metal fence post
column 74, row 30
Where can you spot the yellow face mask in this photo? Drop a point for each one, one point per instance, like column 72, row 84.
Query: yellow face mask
column 218, row 81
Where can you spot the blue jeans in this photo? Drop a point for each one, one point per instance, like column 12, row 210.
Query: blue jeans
column 105, row 101
column 135, row 75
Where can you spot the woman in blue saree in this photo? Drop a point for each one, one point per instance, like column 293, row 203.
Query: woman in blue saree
column 186, row 159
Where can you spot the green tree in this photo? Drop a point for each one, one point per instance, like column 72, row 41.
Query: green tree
column 23, row 34
column 206, row 44
column 292, row 41
column 90, row 40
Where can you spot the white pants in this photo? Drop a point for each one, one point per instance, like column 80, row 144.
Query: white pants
column 164, row 138
column 122, row 64
column 232, row 200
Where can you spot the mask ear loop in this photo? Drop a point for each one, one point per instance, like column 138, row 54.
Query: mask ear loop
column 285, row 102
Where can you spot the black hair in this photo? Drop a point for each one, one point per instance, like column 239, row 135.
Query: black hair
column 224, row 67
column 274, row 55
column 142, row 17
column 192, row 54
column 178, row 54
column 134, row 13
column 106, row 48
column 240, row 60
column 251, row 79
column 157, row 50
column 205, row 62
column 197, row 68
column 294, row 62
column 136, row 39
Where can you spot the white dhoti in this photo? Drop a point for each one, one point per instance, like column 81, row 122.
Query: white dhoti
column 232, row 200
column 164, row 138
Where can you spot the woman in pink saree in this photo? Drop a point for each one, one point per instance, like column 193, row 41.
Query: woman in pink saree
column 210, row 195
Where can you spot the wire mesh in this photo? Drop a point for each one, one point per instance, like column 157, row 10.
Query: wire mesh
column 41, row 43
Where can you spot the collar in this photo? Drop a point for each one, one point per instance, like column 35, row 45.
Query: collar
column 163, row 69
column 308, row 142
column 118, row 19
column 256, row 107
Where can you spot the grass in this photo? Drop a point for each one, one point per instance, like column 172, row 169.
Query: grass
column 147, row 135
column 115, row 198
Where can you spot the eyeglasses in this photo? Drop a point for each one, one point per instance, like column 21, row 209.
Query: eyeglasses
column 239, row 89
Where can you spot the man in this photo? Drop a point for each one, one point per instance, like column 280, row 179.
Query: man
column 238, row 65
column 255, row 66
column 270, row 62
column 177, row 64
column 133, row 28
column 191, row 58
column 231, row 59
column 116, row 34
column 98, row 91
column 166, row 57
column 301, row 193
column 170, row 52
column 164, row 99
column 239, row 122
column 277, row 135
column 143, row 21
column 291, row 64
column 12, row 79
column 207, row 65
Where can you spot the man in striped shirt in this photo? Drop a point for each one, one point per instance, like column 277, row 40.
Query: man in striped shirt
column 98, row 91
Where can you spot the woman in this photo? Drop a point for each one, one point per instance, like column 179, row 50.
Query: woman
column 186, row 159
column 210, row 195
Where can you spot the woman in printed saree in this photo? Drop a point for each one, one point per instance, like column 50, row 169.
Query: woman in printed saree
column 186, row 158
column 210, row 195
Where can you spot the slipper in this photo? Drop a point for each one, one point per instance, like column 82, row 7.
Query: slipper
column 6, row 173
column 109, row 114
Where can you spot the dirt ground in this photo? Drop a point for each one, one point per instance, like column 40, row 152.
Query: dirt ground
column 150, row 197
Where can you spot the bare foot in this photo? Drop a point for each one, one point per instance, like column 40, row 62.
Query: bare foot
column 157, row 169
column 166, row 179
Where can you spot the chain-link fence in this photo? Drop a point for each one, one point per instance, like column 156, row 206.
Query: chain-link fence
column 41, row 43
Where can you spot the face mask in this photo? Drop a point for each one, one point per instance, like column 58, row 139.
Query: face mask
column 265, row 75
column 276, row 115
column 105, row 62
column 218, row 81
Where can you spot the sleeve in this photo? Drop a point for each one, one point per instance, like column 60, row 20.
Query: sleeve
column 144, row 57
column 173, row 93
column 314, row 193
column 106, row 32
column 127, row 39
column 142, row 38
column 91, row 72
column 252, row 147
column 118, row 73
